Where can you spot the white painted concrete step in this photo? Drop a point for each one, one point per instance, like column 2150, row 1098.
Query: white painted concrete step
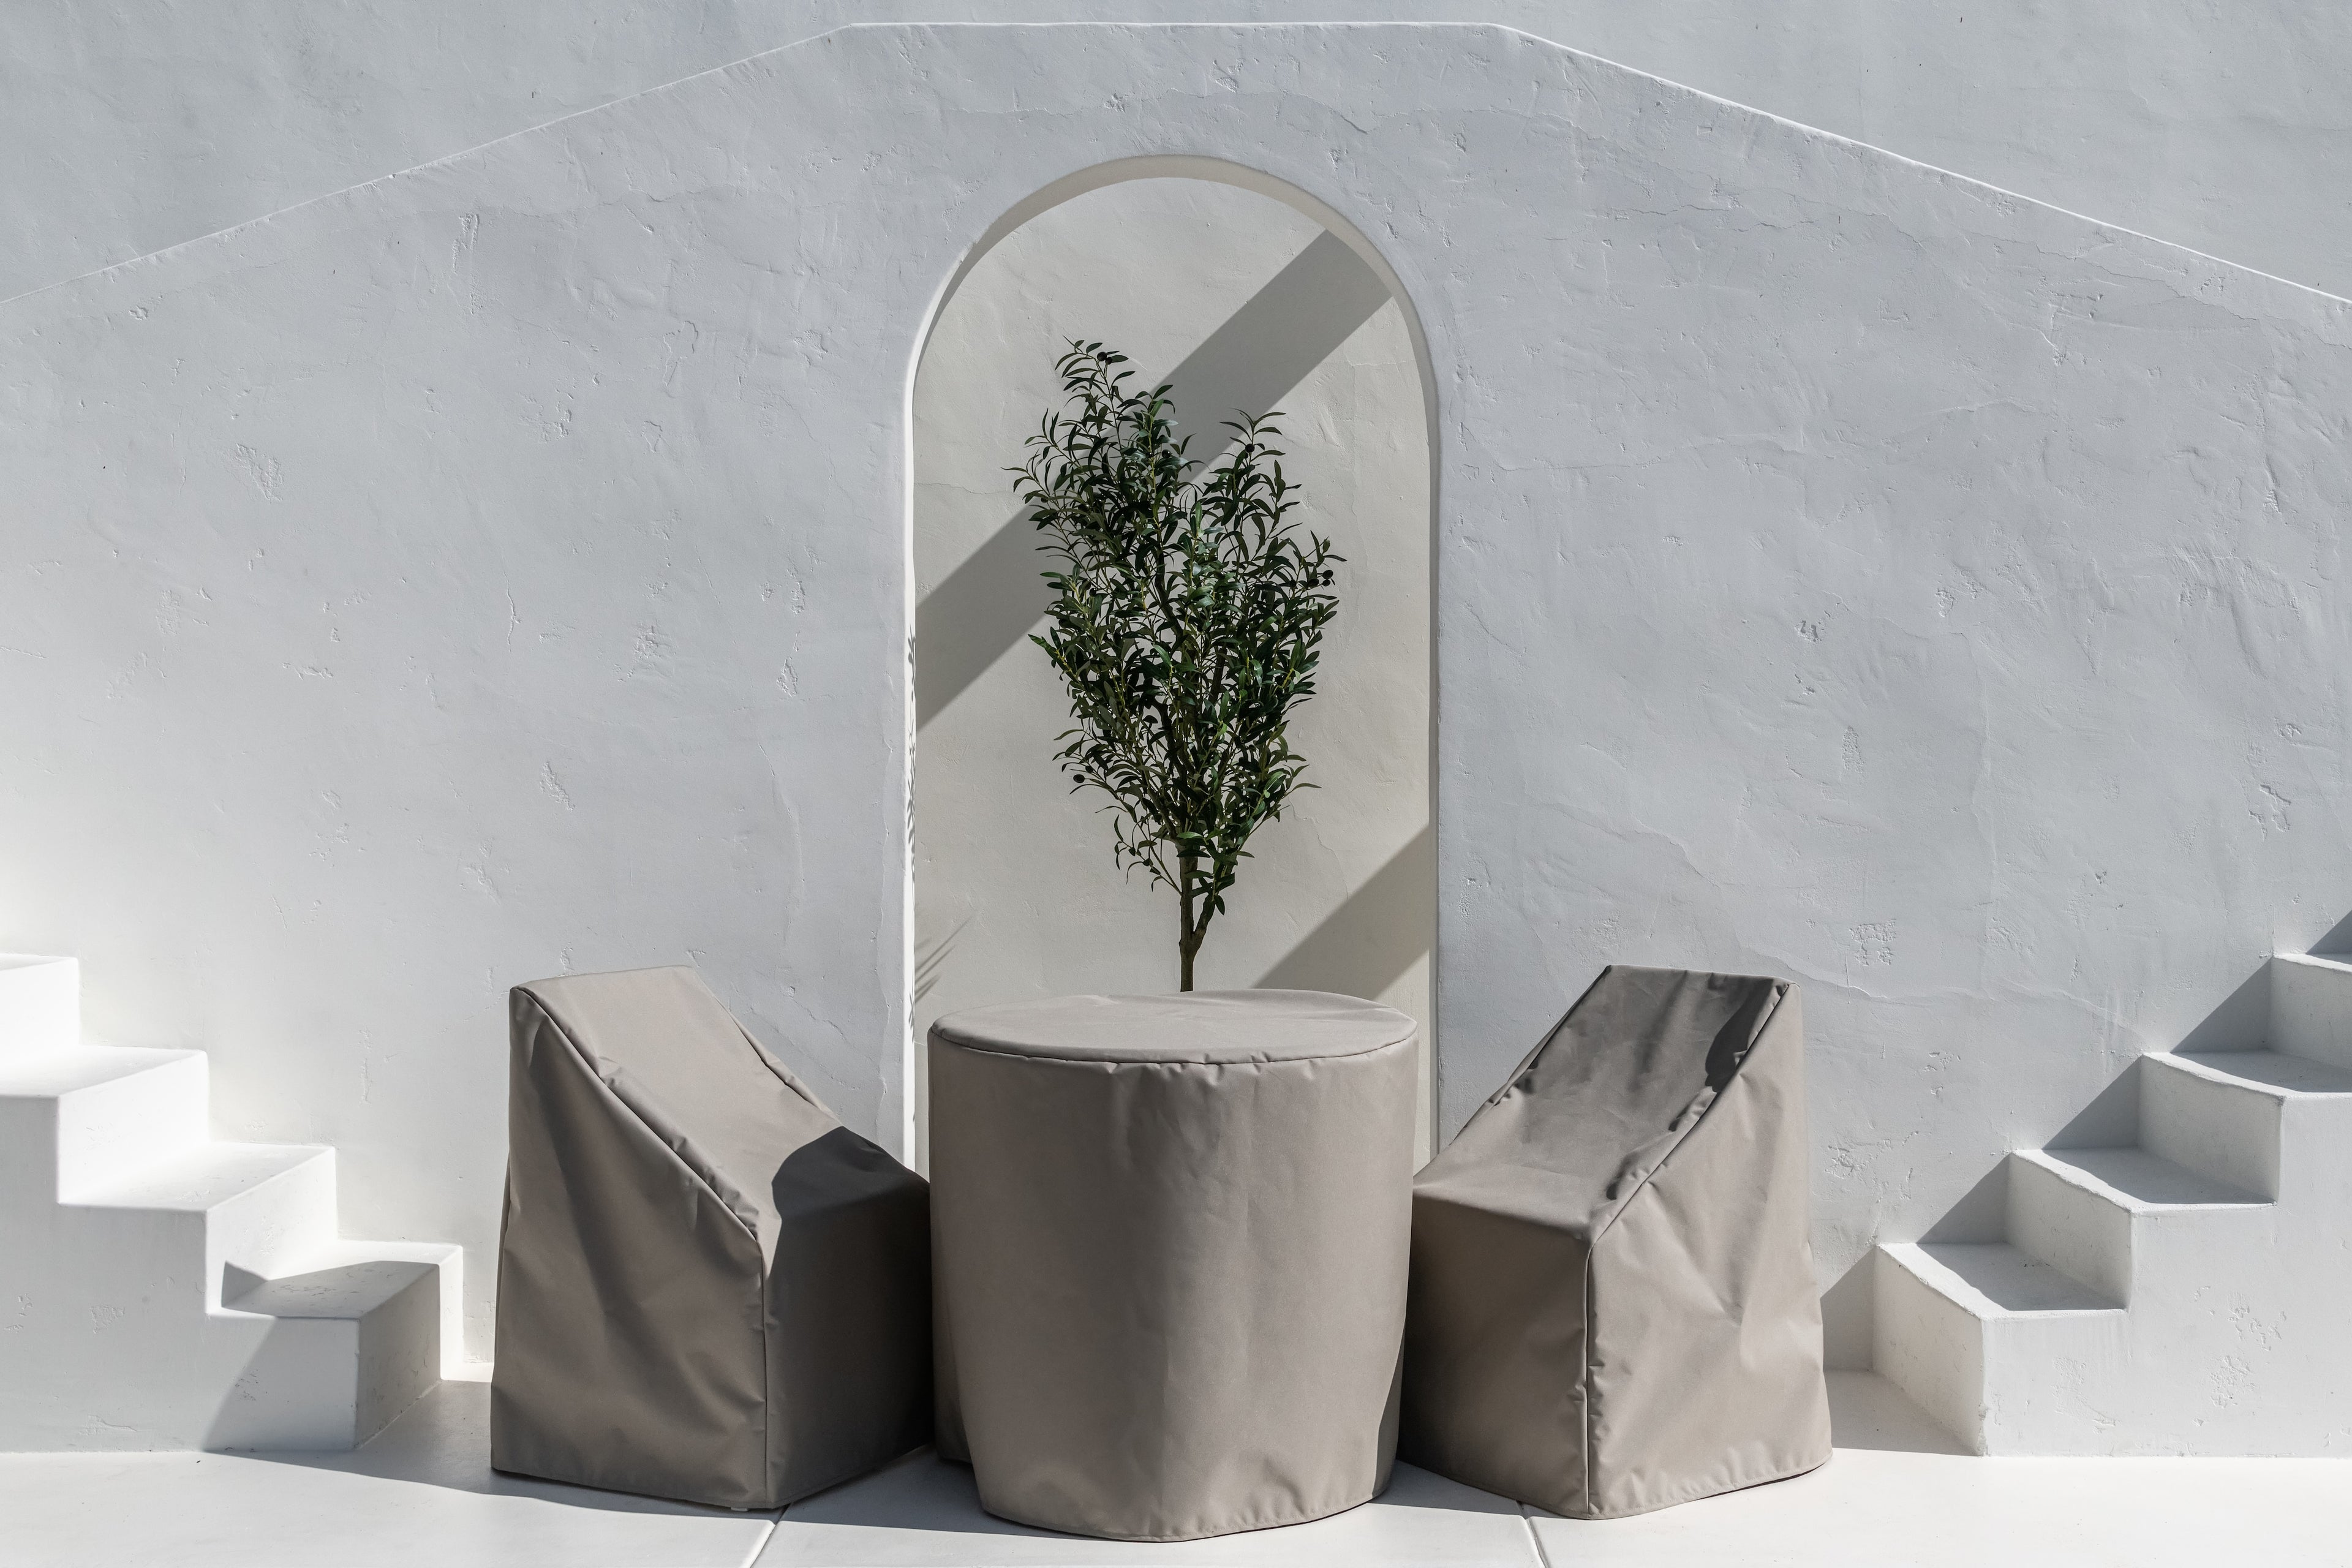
column 2091, row 1213
column 2311, row 1007
column 2269, row 1070
column 250, row 1206
column 1994, row 1279
column 356, row 1335
column 2181, row 1294
column 2226, row 1115
column 80, row 1115
column 174, row 1291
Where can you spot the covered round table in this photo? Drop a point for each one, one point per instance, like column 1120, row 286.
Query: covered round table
column 1170, row 1238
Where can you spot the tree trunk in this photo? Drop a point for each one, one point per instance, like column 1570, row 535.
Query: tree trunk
column 1188, row 935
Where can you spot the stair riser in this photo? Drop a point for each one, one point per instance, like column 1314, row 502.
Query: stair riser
column 127, row 1364
column 40, row 1004
column 2042, row 1379
column 110, row 1251
column 2317, row 1167
column 400, row 1351
column 28, row 1155
column 110, row 1128
column 122, row 1265
column 263, row 1228
column 330, row 1384
column 1930, row 1347
column 2311, row 1010
column 2228, row 1132
column 2082, row 1234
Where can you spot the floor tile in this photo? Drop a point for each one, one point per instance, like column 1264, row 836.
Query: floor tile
column 422, row 1495
column 1896, row 1493
column 925, row 1513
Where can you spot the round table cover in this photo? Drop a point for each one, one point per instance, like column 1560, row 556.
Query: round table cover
column 1169, row 1240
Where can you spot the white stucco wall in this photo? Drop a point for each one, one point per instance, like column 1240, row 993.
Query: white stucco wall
column 1233, row 295
column 1842, row 570
column 134, row 124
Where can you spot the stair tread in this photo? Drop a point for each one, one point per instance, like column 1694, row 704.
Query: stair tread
column 1996, row 1279
column 202, row 1177
column 52, row 1073
column 2140, row 1180
column 2275, row 1069
column 350, row 1290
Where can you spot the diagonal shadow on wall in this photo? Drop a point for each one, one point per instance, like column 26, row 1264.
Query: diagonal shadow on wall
column 1362, row 947
column 1268, row 346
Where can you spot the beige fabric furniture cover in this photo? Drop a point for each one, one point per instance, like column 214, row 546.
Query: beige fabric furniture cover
column 1169, row 1240
column 1613, row 1305
column 709, row 1289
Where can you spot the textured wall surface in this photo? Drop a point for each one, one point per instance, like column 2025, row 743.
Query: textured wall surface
column 1239, row 300
column 134, row 124
column 1842, row 570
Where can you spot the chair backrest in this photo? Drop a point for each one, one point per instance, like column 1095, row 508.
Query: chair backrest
column 675, row 1057
column 1613, row 1088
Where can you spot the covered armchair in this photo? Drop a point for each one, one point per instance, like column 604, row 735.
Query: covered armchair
column 1612, row 1306
column 709, row 1289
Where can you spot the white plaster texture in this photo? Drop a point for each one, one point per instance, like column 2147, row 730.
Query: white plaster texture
column 1844, row 570
column 135, row 124
column 1016, row 892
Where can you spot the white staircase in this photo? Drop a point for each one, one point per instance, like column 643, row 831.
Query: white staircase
column 158, row 1289
column 2189, row 1294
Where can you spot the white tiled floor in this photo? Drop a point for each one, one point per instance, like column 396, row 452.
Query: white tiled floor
column 423, row 1495
column 1898, row 1494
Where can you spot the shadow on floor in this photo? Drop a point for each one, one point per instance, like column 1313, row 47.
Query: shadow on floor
column 1868, row 1412
column 923, row 1491
column 443, row 1440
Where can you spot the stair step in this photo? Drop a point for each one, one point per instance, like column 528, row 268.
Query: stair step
column 355, row 1338
column 1994, row 1279
column 344, row 1290
column 49, row 1074
column 2311, row 1006
column 2272, row 1070
column 2222, row 1123
column 250, row 1206
column 446, row 1256
column 1955, row 1322
column 40, row 1003
column 203, row 1178
column 89, row 1114
column 2139, row 1181
column 2091, row 1213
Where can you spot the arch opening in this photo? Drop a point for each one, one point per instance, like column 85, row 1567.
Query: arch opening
column 1243, row 293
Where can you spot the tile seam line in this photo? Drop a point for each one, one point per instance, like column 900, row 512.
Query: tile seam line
column 759, row 1546
column 1535, row 1542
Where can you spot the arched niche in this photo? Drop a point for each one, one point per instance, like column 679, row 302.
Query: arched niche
column 1243, row 293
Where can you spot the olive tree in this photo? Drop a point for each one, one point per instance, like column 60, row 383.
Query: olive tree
column 1187, row 618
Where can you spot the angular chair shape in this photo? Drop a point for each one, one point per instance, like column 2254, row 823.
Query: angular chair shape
column 709, row 1289
column 1613, row 1305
